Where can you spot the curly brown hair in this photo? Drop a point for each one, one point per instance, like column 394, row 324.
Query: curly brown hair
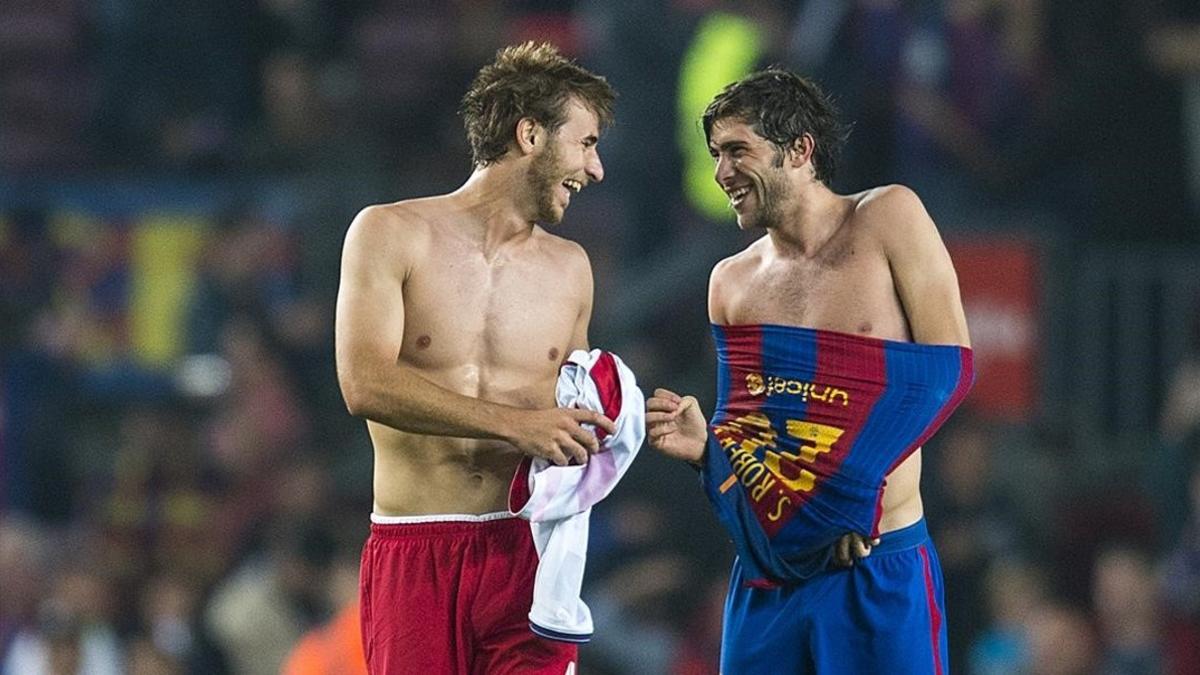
column 528, row 80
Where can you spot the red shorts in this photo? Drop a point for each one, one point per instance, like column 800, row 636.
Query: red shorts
column 453, row 598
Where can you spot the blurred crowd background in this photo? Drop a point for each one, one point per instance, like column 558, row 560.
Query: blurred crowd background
column 182, row 490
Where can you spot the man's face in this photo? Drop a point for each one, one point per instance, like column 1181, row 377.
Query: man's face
column 566, row 164
column 750, row 170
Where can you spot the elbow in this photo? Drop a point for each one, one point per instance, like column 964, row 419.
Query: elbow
column 355, row 407
column 358, row 400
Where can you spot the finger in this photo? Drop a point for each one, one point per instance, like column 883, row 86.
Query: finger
column 555, row 457
column 585, row 438
column 661, row 405
column 861, row 548
column 688, row 403
column 594, row 418
column 662, row 428
column 841, row 552
column 574, row 451
column 657, row 417
column 667, row 394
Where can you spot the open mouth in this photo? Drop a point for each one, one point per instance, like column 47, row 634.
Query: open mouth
column 738, row 195
column 572, row 185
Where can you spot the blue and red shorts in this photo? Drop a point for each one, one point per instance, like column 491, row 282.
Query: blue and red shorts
column 883, row 615
column 451, row 594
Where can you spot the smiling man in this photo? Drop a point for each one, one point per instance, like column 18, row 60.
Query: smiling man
column 454, row 314
column 842, row 346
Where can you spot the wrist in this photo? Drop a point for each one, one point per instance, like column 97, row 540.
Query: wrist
column 506, row 425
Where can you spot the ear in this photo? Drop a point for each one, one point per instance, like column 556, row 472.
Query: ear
column 529, row 135
column 802, row 150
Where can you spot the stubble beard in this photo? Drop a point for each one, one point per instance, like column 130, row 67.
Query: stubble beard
column 545, row 173
column 772, row 192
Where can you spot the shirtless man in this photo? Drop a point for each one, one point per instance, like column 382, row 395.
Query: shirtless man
column 454, row 314
column 832, row 331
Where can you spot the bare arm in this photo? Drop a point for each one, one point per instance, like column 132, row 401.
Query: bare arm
column 921, row 268
column 377, row 257
column 579, row 338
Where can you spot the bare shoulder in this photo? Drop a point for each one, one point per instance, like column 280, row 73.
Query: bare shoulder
column 393, row 224
column 564, row 253
column 392, row 236
column 728, row 274
column 893, row 211
column 741, row 262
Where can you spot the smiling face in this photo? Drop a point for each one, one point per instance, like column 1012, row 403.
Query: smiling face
column 566, row 163
column 751, row 171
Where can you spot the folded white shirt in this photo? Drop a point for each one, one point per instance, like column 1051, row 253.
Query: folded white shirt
column 557, row 500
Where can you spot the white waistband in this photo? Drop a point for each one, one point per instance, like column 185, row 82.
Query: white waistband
column 440, row 518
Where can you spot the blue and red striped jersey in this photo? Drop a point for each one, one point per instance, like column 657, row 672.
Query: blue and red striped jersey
column 807, row 426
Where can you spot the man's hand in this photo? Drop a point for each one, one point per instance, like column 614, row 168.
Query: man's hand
column 676, row 426
column 851, row 547
column 555, row 434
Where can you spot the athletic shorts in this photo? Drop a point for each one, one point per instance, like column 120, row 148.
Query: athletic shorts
column 451, row 595
column 883, row 615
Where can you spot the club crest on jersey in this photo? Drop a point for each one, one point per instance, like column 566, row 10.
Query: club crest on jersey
column 772, row 385
column 754, row 384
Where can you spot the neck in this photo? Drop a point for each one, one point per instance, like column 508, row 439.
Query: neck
column 497, row 198
column 809, row 219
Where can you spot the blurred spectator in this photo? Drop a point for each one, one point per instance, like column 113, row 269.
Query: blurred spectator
column 1092, row 520
column 968, row 96
column 296, row 117
column 24, row 560
column 169, row 610
column 1104, row 81
column 335, row 647
column 1062, row 641
column 52, row 648
column 970, row 521
column 158, row 506
column 259, row 419
column 73, row 633
column 271, row 600
column 146, row 658
column 44, row 57
column 634, row 580
column 1181, row 406
column 1015, row 592
column 1127, row 609
column 248, row 269
column 946, row 97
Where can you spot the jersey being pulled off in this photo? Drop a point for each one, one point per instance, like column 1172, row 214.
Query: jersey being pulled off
column 808, row 424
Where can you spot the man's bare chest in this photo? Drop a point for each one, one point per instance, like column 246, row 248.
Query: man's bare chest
column 856, row 295
column 508, row 315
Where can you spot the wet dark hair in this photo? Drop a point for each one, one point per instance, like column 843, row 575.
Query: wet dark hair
column 528, row 80
column 781, row 107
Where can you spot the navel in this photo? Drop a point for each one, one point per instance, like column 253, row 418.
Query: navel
column 553, row 354
column 423, row 342
column 864, row 328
